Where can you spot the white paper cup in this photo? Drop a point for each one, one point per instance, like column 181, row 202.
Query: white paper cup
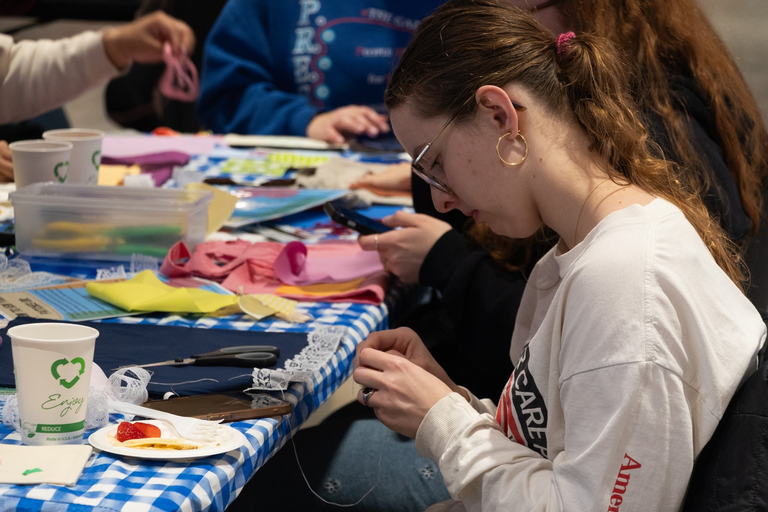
column 86, row 153
column 52, row 364
column 36, row 161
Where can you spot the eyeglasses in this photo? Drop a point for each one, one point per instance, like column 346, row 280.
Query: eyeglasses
column 419, row 170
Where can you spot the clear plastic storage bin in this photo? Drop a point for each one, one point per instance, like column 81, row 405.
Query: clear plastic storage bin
column 87, row 221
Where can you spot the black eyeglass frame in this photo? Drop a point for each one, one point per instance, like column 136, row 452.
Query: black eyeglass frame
column 419, row 170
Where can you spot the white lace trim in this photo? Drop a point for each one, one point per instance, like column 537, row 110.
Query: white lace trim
column 322, row 344
column 17, row 275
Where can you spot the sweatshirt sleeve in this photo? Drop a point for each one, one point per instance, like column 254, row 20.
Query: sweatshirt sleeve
column 628, row 447
column 37, row 76
column 238, row 90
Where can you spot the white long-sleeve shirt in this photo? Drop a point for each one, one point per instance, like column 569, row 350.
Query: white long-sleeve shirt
column 37, row 76
column 630, row 347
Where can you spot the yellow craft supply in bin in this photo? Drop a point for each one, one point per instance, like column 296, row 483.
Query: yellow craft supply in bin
column 89, row 221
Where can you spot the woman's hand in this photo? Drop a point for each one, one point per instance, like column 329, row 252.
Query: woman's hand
column 332, row 126
column 403, row 251
column 6, row 165
column 143, row 39
column 407, row 379
column 395, row 177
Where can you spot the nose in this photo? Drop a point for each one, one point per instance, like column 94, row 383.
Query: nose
column 443, row 201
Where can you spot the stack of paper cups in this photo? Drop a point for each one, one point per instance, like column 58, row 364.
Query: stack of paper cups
column 85, row 157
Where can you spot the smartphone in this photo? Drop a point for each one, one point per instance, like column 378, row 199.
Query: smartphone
column 353, row 220
column 7, row 233
column 223, row 406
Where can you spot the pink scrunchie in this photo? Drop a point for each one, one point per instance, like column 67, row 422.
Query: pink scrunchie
column 563, row 43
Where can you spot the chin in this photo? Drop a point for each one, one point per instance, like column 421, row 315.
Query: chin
column 510, row 231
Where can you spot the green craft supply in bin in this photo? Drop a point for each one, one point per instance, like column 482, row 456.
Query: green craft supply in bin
column 106, row 223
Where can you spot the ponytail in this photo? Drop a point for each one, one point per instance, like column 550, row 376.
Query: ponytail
column 596, row 84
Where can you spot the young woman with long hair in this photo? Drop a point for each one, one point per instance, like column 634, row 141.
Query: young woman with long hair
column 633, row 332
column 696, row 106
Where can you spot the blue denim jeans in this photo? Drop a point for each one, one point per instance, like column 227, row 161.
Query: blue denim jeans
column 340, row 459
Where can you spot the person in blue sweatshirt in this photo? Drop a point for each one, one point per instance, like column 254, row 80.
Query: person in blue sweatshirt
column 315, row 68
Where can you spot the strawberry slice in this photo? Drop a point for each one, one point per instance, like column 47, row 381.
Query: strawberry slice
column 148, row 429
column 126, row 431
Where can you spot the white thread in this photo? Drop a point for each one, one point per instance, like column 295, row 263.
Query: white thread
column 124, row 388
column 185, row 382
column 369, row 491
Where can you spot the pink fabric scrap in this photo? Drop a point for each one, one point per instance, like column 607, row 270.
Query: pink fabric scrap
column 330, row 263
column 254, row 268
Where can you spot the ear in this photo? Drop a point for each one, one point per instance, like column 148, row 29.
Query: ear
column 494, row 106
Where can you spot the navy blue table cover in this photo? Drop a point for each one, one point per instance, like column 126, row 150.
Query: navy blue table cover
column 124, row 344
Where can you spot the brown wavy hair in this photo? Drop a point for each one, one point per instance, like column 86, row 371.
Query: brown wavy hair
column 662, row 37
column 466, row 44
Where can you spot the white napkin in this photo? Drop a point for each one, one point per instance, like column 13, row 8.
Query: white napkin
column 42, row 464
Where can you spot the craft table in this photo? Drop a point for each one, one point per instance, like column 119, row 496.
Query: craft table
column 111, row 483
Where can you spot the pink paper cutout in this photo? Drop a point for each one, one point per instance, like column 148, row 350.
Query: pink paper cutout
column 179, row 81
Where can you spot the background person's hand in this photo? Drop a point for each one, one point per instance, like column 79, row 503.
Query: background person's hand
column 143, row 39
column 334, row 125
column 402, row 251
column 407, row 379
column 394, row 177
column 6, row 165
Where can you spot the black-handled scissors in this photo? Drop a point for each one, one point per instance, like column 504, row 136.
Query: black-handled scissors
column 247, row 356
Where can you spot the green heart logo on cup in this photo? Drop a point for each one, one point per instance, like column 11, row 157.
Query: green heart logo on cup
column 63, row 362
column 96, row 159
column 61, row 170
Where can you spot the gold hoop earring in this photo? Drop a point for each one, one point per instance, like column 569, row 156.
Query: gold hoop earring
column 511, row 164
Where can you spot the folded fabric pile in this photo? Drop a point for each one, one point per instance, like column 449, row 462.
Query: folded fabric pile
column 334, row 271
column 158, row 165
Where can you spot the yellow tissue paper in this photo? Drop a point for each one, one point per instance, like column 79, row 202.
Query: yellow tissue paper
column 145, row 292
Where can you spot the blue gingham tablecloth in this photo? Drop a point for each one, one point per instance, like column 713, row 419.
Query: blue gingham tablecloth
column 111, row 483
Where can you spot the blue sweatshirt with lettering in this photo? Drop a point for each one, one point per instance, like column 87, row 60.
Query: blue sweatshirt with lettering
column 269, row 66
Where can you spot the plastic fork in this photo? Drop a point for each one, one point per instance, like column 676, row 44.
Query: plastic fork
column 193, row 429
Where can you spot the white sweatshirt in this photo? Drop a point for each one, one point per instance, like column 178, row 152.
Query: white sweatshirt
column 634, row 342
column 37, row 76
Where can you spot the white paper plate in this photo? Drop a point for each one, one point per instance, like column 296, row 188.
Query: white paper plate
column 230, row 439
